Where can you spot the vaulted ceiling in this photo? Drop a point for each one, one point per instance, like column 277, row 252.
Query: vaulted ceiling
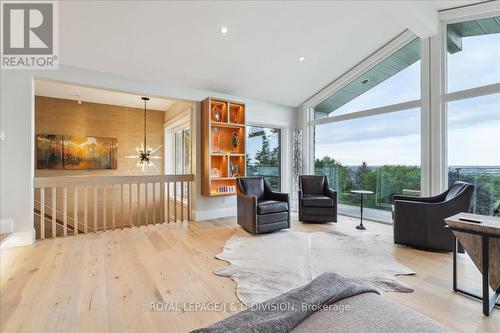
column 179, row 42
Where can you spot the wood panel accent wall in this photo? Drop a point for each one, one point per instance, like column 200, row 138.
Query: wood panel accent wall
column 61, row 116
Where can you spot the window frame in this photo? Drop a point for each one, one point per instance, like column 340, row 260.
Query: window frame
column 449, row 17
column 280, row 145
column 386, row 51
column 433, row 96
column 284, row 148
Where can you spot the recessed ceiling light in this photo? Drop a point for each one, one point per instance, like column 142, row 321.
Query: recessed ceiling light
column 301, row 59
column 223, row 30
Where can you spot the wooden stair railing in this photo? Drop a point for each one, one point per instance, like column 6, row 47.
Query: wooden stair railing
column 116, row 202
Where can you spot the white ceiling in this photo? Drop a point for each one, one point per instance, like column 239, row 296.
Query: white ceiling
column 179, row 41
column 87, row 94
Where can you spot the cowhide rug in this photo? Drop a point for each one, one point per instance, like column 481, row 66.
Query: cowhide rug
column 266, row 266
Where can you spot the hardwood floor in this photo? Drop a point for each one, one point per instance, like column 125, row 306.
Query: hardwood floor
column 106, row 282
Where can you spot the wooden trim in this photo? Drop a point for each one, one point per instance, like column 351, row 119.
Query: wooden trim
column 107, row 180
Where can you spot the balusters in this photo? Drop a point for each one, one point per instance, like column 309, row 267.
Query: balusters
column 130, row 223
column 154, row 203
column 75, row 211
column 175, row 201
column 138, row 205
column 85, row 209
column 95, row 208
column 104, row 205
column 162, row 202
column 54, row 212
column 151, row 207
column 121, row 206
column 113, row 223
column 42, row 213
column 146, row 202
column 168, row 202
column 189, row 201
column 182, row 201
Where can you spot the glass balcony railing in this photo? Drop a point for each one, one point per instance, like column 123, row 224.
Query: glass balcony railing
column 384, row 181
column 387, row 180
column 486, row 198
column 271, row 174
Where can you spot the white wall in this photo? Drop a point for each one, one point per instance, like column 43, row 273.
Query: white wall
column 17, row 120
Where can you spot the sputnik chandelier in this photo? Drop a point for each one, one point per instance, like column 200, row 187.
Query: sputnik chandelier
column 145, row 153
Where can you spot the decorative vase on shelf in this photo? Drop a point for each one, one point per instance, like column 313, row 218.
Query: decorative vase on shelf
column 216, row 140
column 217, row 113
column 234, row 170
column 234, row 140
column 234, row 117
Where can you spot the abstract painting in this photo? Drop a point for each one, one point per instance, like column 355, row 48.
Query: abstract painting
column 68, row 152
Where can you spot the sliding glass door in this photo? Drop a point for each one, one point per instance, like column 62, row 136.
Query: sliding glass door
column 264, row 154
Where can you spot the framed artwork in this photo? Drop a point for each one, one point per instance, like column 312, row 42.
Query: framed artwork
column 66, row 152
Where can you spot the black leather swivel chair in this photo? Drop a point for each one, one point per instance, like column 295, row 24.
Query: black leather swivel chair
column 419, row 222
column 260, row 209
column 317, row 201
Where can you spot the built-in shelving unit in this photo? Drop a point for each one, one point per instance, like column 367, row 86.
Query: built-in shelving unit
column 223, row 146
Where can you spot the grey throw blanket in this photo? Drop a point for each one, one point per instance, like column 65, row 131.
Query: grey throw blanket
column 284, row 312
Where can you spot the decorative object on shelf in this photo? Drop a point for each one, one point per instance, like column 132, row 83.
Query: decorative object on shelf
column 217, row 113
column 234, row 169
column 234, row 116
column 76, row 152
column 297, row 166
column 214, row 172
column 216, row 140
column 145, row 153
column 226, row 189
column 234, row 140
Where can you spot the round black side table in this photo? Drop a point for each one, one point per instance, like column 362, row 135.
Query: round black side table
column 361, row 193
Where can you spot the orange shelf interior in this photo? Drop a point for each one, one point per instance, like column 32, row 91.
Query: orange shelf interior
column 223, row 145
column 225, row 139
column 222, row 107
column 216, row 183
column 236, row 113
column 219, row 162
column 238, row 161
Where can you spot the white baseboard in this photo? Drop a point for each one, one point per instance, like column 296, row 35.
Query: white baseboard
column 6, row 226
column 201, row 215
column 22, row 238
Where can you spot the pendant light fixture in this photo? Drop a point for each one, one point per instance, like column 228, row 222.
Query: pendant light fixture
column 145, row 153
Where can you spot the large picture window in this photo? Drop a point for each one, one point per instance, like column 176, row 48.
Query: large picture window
column 263, row 154
column 377, row 151
column 474, row 121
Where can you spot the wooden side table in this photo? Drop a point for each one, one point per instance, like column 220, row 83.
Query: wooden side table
column 482, row 242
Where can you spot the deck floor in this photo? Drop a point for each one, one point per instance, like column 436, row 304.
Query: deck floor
column 106, row 282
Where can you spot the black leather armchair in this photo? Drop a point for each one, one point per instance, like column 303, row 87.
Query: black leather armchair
column 419, row 222
column 317, row 201
column 261, row 210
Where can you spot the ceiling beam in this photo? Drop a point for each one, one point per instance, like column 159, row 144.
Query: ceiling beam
column 418, row 16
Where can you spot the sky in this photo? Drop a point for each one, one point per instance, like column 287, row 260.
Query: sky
column 394, row 138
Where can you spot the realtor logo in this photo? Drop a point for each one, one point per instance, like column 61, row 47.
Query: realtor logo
column 29, row 35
